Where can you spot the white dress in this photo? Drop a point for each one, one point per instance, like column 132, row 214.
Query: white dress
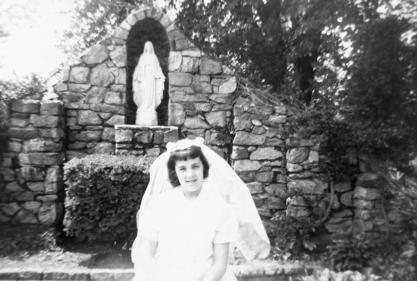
column 185, row 231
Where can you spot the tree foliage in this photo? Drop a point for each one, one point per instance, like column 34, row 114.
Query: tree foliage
column 349, row 64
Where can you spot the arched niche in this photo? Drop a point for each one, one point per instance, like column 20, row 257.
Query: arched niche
column 144, row 30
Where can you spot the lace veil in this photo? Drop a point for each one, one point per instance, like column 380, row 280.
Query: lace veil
column 252, row 240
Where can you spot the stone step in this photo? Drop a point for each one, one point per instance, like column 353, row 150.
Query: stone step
column 248, row 272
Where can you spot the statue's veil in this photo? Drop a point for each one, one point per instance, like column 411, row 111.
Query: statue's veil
column 252, row 240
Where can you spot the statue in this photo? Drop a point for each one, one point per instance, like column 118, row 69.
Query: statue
column 148, row 86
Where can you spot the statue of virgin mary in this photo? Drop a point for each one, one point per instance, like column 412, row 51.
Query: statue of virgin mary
column 148, row 86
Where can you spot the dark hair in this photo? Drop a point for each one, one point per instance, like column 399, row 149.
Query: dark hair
column 191, row 152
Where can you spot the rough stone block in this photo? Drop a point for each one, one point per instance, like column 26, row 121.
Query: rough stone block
column 175, row 60
column 370, row 180
column 143, row 137
column 343, row 186
column 41, row 145
column 43, row 159
column 115, row 120
column 51, row 108
column 55, row 134
column 124, row 135
column 297, row 155
column 228, row 86
column 9, row 209
column 22, row 133
column 210, row 66
column 118, row 56
column 114, row 98
column 48, row 213
column 26, row 106
column 79, row 74
column 108, row 134
column 18, row 122
column 25, row 217
column 255, row 187
column 47, row 198
column 171, row 136
column 13, row 187
column 88, row 117
column 95, row 55
column 279, row 190
column 246, row 165
column 265, row 177
column 180, row 79
column 294, row 168
column 195, row 123
column 53, row 174
column 190, row 64
column 196, row 53
column 245, row 138
column 239, row 153
column 216, row 119
column 265, row 153
column 37, row 187
column 347, row 199
column 366, row 193
column 101, row 76
column 103, row 148
column 78, row 88
column 8, row 174
column 307, row 186
column 45, row 121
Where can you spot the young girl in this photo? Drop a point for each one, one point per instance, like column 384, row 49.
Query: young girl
column 185, row 231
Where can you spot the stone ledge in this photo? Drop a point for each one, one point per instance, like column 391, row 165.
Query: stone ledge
column 256, row 271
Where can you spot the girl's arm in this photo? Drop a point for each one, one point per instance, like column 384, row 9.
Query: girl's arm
column 221, row 256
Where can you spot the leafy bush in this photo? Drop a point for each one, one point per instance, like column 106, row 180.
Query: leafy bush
column 103, row 194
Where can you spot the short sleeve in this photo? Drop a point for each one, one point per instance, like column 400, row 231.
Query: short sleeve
column 150, row 225
column 227, row 228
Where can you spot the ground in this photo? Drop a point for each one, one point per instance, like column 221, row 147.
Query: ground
column 31, row 247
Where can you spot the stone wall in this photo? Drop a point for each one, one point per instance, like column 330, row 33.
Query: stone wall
column 31, row 190
column 93, row 89
column 150, row 141
column 258, row 153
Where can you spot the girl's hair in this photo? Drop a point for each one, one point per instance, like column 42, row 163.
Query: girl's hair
column 191, row 152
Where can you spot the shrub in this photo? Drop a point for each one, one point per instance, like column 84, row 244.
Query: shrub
column 103, row 194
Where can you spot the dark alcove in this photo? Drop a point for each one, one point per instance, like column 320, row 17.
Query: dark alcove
column 146, row 30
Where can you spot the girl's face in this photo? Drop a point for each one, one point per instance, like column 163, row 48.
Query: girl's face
column 190, row 175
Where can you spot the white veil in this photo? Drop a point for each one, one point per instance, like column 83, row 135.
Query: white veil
column 252, row 239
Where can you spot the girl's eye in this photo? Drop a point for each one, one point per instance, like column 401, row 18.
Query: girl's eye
column 182, row 169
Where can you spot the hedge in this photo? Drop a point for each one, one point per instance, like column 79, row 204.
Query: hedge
column 102, row 196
